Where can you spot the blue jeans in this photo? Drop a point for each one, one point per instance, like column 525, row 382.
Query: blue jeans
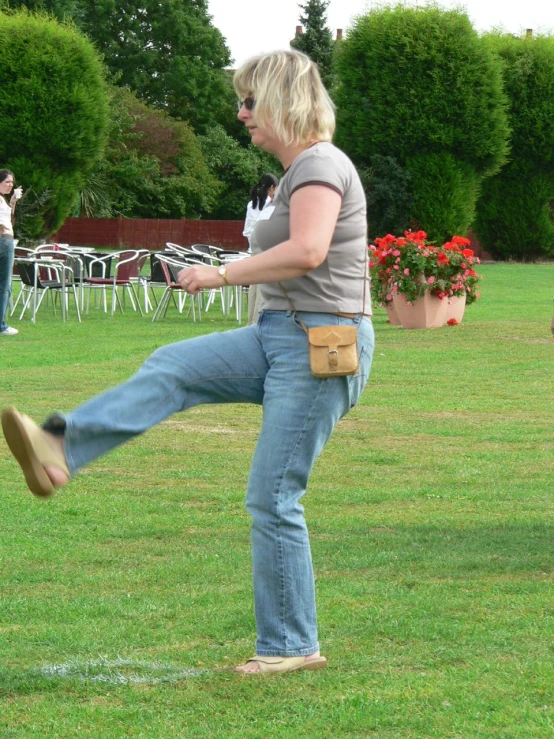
column 6, row 270
column 266, row 364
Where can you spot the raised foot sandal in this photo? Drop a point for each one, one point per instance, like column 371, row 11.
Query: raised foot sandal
column 269, row 665
column 30, row 446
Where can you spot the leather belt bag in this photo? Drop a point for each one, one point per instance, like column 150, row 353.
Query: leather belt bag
column 333, row 350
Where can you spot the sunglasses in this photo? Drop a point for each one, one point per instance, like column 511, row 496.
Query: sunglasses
column 249, row 103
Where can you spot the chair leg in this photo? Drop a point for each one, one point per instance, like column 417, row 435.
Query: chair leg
column 26, row 303
column 133, row 297
column 161, row 308
column 76, row 297
column 19, row 297
column 37, row 305
column 115, row 299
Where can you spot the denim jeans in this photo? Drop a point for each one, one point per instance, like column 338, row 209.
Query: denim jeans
column 6, row 269
column 267, row 364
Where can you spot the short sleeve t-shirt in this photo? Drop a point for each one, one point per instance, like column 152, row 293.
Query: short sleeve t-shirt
column 337, row 285
column 6, row 217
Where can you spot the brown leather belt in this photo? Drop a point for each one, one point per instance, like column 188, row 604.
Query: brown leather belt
column 352, row 315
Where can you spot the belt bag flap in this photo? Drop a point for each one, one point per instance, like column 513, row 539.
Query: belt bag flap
column 333, row 350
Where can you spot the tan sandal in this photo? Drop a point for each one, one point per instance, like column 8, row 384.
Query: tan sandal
column 30, row 446
column 269, row 665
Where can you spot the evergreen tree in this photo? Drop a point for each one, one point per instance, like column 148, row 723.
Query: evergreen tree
column 166, row 51
column 60, row 9
column 152, row 167
column 419, row 86
column 515, row 215
column 317, row 40
column 53, row 117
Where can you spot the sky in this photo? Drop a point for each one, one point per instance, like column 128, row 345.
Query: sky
column 250, row 26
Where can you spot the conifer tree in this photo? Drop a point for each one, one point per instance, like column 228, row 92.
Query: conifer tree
column 317, row 40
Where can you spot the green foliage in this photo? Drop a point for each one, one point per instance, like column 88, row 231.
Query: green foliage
column 167, row 52
column 237, row 168
column 153, row 166
column 417, row 84
column 528, row 73
column 417, row 81
column 53, row 116
column 60, row 9
column 515, row 217
column 445, row 191
column 389, row 197
column 316, row 41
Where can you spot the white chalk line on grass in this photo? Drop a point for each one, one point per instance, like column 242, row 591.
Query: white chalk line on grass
column 120, row 671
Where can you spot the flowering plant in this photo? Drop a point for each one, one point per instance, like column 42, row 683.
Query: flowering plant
column 409, row 265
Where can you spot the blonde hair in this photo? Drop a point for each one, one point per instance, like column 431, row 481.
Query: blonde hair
column 291, row 99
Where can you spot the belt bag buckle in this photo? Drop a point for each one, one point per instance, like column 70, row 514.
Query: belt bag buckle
column 333, row 350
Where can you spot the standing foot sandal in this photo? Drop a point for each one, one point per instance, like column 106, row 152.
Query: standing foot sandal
column 269, row 665
column 32, row 449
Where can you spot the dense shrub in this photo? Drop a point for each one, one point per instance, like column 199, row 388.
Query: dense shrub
column 153, row 166
column 417, row 83
column 515, row 216
column 389, row 196
column 445, row 193
column 53, row 116
column 237, row 168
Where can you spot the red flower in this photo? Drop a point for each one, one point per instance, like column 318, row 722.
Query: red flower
column 442, row 258
column 452, row 322
column 468, row 253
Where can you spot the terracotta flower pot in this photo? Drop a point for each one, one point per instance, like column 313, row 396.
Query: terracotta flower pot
column 425, row 312
column 394, row 320
column 455, row 307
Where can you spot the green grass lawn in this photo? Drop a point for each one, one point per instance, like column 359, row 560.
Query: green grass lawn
column 126, row 598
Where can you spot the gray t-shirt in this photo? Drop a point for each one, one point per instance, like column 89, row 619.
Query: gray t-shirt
column 336, row 286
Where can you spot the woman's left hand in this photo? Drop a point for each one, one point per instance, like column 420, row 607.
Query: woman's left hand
column 194, row 279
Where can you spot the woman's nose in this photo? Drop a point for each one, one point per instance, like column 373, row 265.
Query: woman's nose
column 244, row 114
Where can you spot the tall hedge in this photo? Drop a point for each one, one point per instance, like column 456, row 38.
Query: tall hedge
column 418, row 85
column 53, row 116
column 153, row 166
column 515, row 216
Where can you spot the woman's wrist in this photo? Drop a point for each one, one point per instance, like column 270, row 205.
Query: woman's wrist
column 222, row 272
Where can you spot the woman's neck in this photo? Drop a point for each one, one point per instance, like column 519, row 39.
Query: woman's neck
column 289, row 153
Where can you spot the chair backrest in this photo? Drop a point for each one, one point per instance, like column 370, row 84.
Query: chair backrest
column 168, row 277
column 20, row 252
column 129, row 264
column 206, row 254
column 203, row 249
column 48, row 247
column 208, row 248
column 156, row 269
column 51, row 272
column 46, row 276
column 26, row 271
column 98, row 264
column 181, row 251
column 170, row 267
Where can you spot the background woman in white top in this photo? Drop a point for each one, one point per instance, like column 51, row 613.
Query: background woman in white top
column 261, row 203
column 6, row 246
column 259, row 208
